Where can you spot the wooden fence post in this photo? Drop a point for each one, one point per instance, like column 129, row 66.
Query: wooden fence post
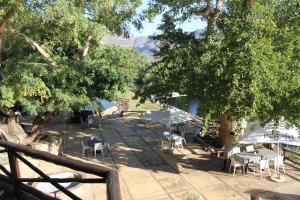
column 14, row 165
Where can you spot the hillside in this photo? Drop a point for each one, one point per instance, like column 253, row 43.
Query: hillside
column 143, row 44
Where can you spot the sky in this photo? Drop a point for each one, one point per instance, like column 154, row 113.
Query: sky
column 151, row 28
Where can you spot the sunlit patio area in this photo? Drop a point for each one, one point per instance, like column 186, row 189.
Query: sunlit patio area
column 147, row 172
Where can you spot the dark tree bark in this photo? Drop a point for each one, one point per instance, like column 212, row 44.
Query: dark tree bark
column 3, row 25
column 12, row 131
column 210, row 14
column 5, row 21
column 38, row 124
column 8, row 113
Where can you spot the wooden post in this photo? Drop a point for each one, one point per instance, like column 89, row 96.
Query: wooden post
column 14, row 165
column 254, row 196
column 108, row 175
column 14, row 170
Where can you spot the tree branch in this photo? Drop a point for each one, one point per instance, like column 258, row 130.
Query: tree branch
column 5, row 21
column 86, row 48
column 24, row 63
column 202, row 12
column 37, row 47
column 37, row 125
column 246, row 3
column 6, row 112
column 217, row 10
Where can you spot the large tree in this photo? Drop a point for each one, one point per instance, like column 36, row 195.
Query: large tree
column 183, row 10
column 249, row 66
column 52, row 59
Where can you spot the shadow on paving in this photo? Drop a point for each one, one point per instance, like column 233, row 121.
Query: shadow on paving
column 151, row 155
column 126, row 150
column 137, row 150
column 266, row 194
column 136, row 143
column 135, row 147
column 202, row 161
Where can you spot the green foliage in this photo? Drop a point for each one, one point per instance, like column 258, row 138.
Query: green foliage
column 193, row 197
column 116, row 67
column 249, row 67
column 181, row 10
column 52, row 58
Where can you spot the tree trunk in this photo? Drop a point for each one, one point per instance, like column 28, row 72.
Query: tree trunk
column 38, row 124
column 210, row 27
column 228, row 124
column 5, row 21
column 11, row 131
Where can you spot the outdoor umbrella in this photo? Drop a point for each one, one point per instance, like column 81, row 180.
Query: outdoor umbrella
column 104, row 104
column 169, row 116
column 270, row 133
column 257, row 136
column 106, row 107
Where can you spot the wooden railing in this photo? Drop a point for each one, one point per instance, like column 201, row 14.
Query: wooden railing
column 15, row 151
column 288, row 153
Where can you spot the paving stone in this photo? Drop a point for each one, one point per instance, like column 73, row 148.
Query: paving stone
column 159, row 197
column 148, row 173
column 134, row 177
column 173, row 184
column 145, row 190
column 183, row 195
column 219, row 192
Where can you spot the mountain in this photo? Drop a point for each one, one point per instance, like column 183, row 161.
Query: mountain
column 198, row 33
column 143, row 44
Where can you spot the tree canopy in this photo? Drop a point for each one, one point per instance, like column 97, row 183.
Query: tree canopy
column 184, row 10
column 52, row 58
column 248, row 65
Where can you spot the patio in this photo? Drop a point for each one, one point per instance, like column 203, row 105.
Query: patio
column 148, row 173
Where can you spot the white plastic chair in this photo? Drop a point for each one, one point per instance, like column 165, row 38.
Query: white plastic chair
column 98, row 146
column 262, row 165
column 235, row 164
column 277, row 163
column 106, row 145
column 85, row 147
column 164, row 144
column 178, row 143
column 250, row 148
column 166, row 133
column 92, row 137
column 236, row 150
column 183, row 140
column 90, row 121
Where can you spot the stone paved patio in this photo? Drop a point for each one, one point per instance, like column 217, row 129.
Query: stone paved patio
column 148, row 173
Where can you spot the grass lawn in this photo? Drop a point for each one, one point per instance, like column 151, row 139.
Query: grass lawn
column 134, row 103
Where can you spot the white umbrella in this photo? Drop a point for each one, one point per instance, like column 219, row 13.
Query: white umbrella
column 283, row 131
column 280, row 134
column 169, row 116
column 257, row 136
